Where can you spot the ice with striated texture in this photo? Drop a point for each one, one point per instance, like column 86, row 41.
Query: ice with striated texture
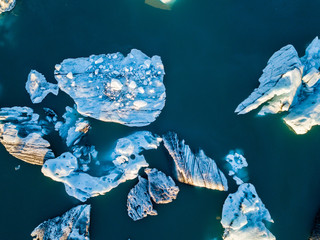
column 279, row 83
column 139, row 204
column 125, row 166
column 244, row 216
column 22, row 135
column 38, row 87
column 73, row 225
column 162, row 188
column 7, row 5
column 113, row 88
column 194, row 169
column 236, row 162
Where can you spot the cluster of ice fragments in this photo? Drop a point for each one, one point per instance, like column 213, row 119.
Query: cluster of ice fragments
column 159, row 187
column 38, row 87
column 236, row 162
column 113, row 88
column 290, row 84
column 73, row 225
column 194, row 169
column 7, row 5
column 125, row 166
column 244, row 215
column 22, row 133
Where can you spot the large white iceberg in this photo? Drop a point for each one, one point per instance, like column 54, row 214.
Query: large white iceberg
column 38, row 87
column 125, row 166
column 290, row 84
column 73, row 225
column 244, row 215
column 21, row 133
column 7, row 5
column 113, row 88
column 194, row 169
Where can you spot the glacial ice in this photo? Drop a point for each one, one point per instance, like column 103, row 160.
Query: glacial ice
column 125, row 166
column 244, row 215
column 72, row 225
column 7, row 5
column 113, row 88
column 194, row 169
column 139, row 204
column 21, row 134
column 162, row 188
column 237, row 162
column 290, row 84
column 38, row 87
column 315, row 234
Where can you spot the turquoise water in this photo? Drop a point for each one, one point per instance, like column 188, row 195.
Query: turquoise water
column 213, row 52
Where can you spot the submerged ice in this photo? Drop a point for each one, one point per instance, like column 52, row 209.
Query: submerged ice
column 113, row 88
column 194, row 169
column 244, row 216
column 236, row 163
column 73, row 225
column 290, row 84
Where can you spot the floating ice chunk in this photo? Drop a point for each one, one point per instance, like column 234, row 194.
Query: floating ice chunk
column 315, row 234
column 194, row 169
column 7, row 5
column 118, row 96
column 162, row 188
column 74, row 224
column 38, row 87
column 244, row 214
column 21, row 134
column 139, row 204
column 237, row 162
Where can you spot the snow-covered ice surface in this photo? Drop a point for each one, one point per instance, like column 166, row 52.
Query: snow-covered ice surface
column 7, row 5
column 194, row 169
column 139, row 204
column 73, row 225
column 22, row 135
column 38, row 87
column 125, row 166
column 290, row 84
column 113, row 88
column 236, row 163
column 162, row 188
column 244, row 216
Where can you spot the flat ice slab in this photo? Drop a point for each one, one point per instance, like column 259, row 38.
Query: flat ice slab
column 113, row 88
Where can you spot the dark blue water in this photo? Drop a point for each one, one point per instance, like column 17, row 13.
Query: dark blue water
column 213, row 52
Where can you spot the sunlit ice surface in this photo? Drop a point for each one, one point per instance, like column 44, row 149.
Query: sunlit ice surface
column 162, row 4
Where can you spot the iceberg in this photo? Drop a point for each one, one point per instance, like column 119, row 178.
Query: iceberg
column 139, row 204
column 162, row 188
column 7, row 5
column 315, row 234
column 74, row 224
column 194, row 169
column 125, row 166
column 21, row 133
column 290, row 84
column 244, row 214
column 38, row 87
column 237, row 162
column 113, row 88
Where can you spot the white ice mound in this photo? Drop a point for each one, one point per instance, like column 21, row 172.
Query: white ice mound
column 38, row 87
column 21, row 134
column 244, row 215
column 7, row 5
column 113, row 88
column 194, row 169
column 292, row 85
column 162, row 188
column 139, row 204
column 279, row 83
column 237, row 162
column 126, row 165
column 73, row 225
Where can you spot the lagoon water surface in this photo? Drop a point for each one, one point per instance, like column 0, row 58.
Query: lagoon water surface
column 213, row 52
